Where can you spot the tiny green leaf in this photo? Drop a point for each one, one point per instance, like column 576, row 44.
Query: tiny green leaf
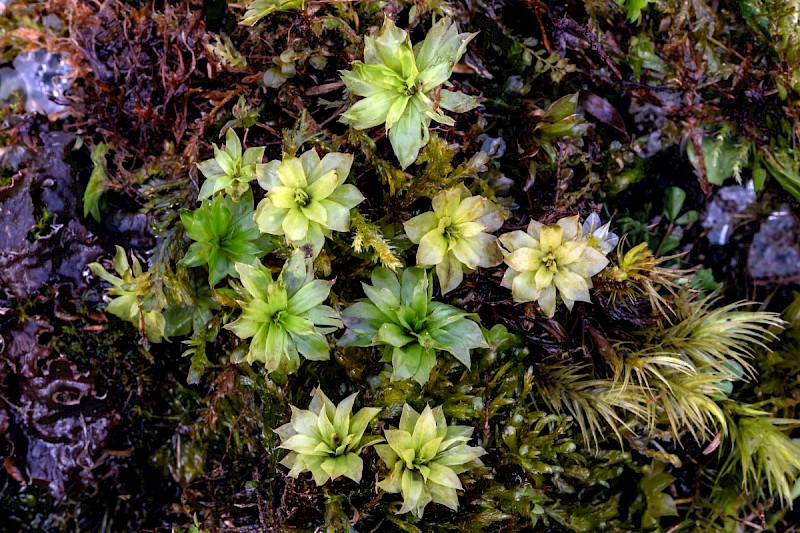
column 673, row 202
column 258, row 9
column 98, row 182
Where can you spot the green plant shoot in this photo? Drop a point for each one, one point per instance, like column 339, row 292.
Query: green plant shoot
column 424, row 457
column 284, row 317
column 400, row 315
column 326, row 439
column 230, row 170
column 401, row 85
column 225, row 234
column 307, row 198
column 455, row 236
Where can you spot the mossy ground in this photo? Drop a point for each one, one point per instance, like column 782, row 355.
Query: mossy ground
column 181, row 437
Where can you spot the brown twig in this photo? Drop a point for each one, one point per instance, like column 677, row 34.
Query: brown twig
column 569, row 24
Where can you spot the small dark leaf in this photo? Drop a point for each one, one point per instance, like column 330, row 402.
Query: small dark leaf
column 603, row 111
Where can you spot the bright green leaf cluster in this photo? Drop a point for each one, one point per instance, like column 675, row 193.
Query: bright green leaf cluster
column 456, row 235
column 307, row 197
column 762, row 449
column 400, row 315
column 547, row 260
column 225, row 235
column 134, row 300
column 425, row 457
column 401, row 85
column 284, row 317
column 230, row 170
column 634, row 8
column 326, row 439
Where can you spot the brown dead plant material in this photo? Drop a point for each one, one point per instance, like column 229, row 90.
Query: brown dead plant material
column 21, row 29
column 140, row 71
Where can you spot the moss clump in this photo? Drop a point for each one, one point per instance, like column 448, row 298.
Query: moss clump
column 642, row 375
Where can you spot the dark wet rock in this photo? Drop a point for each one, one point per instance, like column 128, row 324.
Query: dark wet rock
column 55, row 180
column 56, row 425
column 41, row 78
column 25, row 272
column 54, row 419
column 133, row 229
column 16, row 211
column 775, row 251
column 14, row 157
column 724, row 210
column 67, row 423
column 55, row 248
column 60, row 256
column 78, row 250
column 23, row 349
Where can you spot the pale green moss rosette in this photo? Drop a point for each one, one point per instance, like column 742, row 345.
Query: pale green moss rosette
column 455, row 236
column 307, row 198
column 550, row 260
column 230, row 170
column 401, row 85
column 424, row 457
column 327, row 439
column 400, row 315
column 134, row 299
column 284, row 318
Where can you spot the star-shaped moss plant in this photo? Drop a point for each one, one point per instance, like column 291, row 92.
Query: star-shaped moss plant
column 327, row 439
column 284, row 317
column 307, row 198
column 550, row 260
column 401, row 85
